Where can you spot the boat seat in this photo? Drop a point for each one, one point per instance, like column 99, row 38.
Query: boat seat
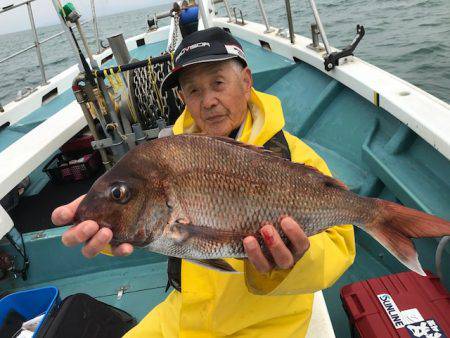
column 402, row 163
column 41, row 114
column 348, row 172
column 320, row 325
column 32, row 149
column 8, row 137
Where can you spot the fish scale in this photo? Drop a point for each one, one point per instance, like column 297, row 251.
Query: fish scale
column 198, row 197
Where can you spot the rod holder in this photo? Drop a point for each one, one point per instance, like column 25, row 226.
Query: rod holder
column 119, row 49
column 320, row 26
column 315, row 35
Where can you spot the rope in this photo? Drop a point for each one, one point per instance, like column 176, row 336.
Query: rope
column 171, row 59
column 115, row 81
column 119, row 86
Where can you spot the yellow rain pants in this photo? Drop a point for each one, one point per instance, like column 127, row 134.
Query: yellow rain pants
column 279, row 304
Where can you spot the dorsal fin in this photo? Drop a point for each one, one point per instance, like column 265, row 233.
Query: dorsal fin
column 234, row 142
column 335, row 183
column 328, row 181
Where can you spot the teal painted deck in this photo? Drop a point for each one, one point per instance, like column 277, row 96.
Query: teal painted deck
column 364, row 146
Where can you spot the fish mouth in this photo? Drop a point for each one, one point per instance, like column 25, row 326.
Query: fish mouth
column 104, row 224
column 78, row 218
column 134, row 238
column 138, row 241
column 118, row 236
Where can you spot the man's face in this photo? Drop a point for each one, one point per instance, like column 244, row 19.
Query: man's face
column 216, row 94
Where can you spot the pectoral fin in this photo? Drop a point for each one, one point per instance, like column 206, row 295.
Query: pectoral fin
column 214, row 264
column 178, row 230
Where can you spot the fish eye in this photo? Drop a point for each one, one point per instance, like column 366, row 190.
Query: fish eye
column 120, row 193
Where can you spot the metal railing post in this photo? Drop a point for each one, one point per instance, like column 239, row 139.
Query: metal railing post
column 37, row 45
column 227, row 7
column 289, row 17
column 203, row 13
column 264, row 16
column 319, row 24
column 94, row 23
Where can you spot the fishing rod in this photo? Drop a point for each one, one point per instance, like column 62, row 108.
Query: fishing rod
column 86, row 67
column 122, row 131
column 101, row 100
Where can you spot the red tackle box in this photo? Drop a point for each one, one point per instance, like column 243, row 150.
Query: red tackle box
column 78, row 146
column 399, row 305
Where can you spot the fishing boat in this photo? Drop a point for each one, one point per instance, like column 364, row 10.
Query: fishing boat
column 381, row 135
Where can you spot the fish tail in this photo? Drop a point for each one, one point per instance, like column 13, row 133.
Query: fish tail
column 395, row 225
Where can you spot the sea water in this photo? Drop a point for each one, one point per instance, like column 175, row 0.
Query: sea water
column 408, row 38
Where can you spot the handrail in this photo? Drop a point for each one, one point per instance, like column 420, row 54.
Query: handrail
column 94, row 23
column 264, row 16
column 319, row 24
column 227, row 7
column 290, row 23
column 37, row 44
column 10, row 7
column 32, row 46
column 35, row 36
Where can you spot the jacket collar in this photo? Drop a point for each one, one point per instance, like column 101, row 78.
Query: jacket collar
column 263, row 120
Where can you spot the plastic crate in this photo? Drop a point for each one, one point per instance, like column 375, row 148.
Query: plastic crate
column 61, row 170
column 30, row 303
column 399, row 305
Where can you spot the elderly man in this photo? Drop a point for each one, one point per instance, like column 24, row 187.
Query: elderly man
column 274, row 297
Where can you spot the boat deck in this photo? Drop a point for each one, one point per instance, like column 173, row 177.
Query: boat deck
column 143, row 276
column 364, row 146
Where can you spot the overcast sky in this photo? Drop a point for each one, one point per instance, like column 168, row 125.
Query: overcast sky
column 44, row 13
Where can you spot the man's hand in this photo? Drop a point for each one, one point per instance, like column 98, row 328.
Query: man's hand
column 87, row 232
column 283, row 257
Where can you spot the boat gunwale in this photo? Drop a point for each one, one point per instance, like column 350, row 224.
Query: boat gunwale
column 425, row 114
column 346, row 74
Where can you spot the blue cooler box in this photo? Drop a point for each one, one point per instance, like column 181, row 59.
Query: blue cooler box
column 30, row 303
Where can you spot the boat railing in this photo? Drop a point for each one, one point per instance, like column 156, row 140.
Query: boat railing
column 236, row 17
column 316, row 30
column 331, row 58
column 264, row 17
column 37, row 44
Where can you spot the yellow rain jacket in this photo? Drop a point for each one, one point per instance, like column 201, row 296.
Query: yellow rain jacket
column 279, row 304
